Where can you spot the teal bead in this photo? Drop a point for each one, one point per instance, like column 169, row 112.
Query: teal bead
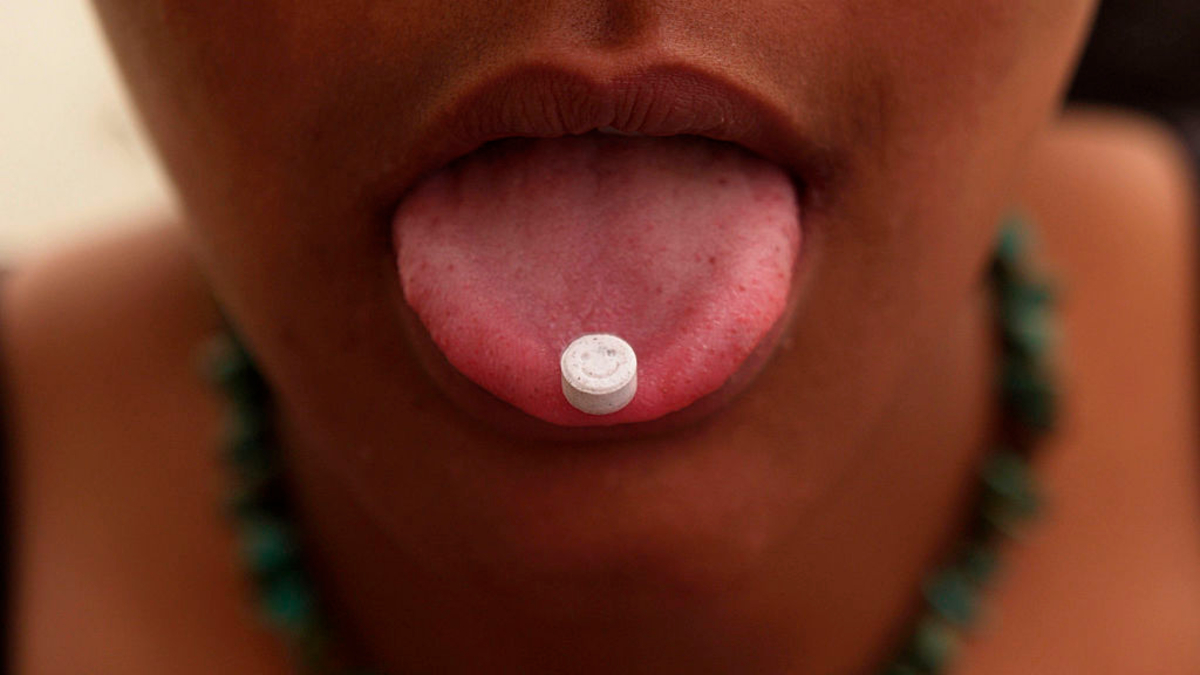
column 234, row 372
column 1010, row 492
column 248, row 393
column 953, row 597
column 1023, row 300
column 1009, row 476
column 245, row 422
column 1009, row 254
column 289, row 603
column 934, row 645
column 1039, row 294
column 1029, row 394
column 253, row 497
column 232, row 369
column 1026, row 326
column 244, row 504
column 1023, row 304
column 250, row 456
column 979, row 563
column 269, row 546
column 247, row 445
column 225, row 361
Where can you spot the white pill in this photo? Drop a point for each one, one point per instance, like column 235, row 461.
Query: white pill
column 599, row 373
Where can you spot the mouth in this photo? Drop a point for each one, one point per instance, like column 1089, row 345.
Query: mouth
column 673, row 99
column 663, row 206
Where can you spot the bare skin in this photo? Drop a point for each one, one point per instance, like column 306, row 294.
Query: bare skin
column 784, row 532
column 125, row 565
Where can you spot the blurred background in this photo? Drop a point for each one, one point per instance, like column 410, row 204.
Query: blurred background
column 73, row 159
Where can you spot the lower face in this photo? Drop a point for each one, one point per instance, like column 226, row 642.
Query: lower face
column 295, row 131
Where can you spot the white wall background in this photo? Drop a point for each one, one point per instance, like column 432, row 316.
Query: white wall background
column 72, row 158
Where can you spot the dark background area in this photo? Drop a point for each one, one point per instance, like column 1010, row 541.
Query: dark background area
column 1145, row 54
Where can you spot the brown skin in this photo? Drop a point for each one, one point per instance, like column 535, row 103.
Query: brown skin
column 770, row 537
column 125, row 568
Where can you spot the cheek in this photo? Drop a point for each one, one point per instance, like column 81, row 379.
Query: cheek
column 942, row 102
column 268, row 115
column 952, row 95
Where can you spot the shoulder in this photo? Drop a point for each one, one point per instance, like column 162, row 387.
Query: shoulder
column 116, row 480
column 144, row 275
column 1116, row 194
column 1116, row 178
column 97, row 329
column 1112, row 573
column 1114, row 182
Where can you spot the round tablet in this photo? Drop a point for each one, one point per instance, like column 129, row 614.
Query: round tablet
column 599, row 373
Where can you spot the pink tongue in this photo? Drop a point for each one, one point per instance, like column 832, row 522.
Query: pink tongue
column 682, row 246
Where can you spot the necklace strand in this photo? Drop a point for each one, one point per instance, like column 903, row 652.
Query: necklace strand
column 1007, row 496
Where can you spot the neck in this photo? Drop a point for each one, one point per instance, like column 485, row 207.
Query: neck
column 834, row 599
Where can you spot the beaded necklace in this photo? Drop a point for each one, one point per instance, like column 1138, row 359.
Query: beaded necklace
column 1007, row 494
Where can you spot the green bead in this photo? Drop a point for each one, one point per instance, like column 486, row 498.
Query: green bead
column 235, row 374
column 248, row 457
column 934, row 645
column 1029, row 394
column 243, row 504
column 253, row 496
column 1026, row 325
column 1008, row 475
column 979, row 564
column 269, row 546
column 1039, row 294
column 249, row 393
column 1023, row 300
column 1010, row 492
column 247, row 442
column 953, row 597
column 1023, row 307
column 230, row 367
column 289, row 603
column 224, row 360
column 1010, row 244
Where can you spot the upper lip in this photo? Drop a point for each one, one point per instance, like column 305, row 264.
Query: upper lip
column 543, row 100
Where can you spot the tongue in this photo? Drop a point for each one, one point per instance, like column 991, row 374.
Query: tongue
column 681, row 246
